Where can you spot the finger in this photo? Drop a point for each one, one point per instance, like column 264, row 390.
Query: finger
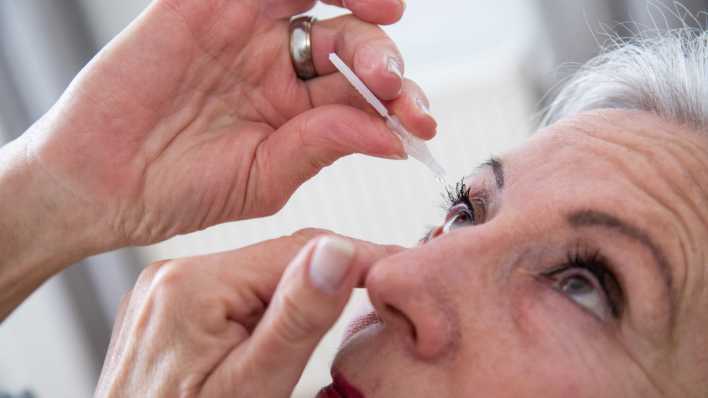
column 120, row 315
column 365, row 48
column 117, row 327
column 309, row 142
column 412, row 106
column 115, row 346
column 278, row 9
column 308, row 301
column 265, row 262
column 380, row 12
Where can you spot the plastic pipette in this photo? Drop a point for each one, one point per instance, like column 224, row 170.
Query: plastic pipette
column 414, row 146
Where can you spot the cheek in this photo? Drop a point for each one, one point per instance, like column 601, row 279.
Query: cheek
column 531, row 342
column 541, row 316
column 544, row 316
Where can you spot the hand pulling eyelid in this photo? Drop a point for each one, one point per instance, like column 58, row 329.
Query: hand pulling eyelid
column 414, row 146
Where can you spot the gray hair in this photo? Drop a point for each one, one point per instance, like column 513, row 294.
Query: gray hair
column 663, row 73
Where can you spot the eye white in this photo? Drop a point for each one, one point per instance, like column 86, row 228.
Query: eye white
column 462, row 217
column 459, row 220
column 582, row 287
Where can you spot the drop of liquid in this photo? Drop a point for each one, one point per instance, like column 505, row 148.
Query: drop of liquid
column 440, row 178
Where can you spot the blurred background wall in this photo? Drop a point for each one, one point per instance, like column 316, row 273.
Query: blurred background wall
column 486, row 66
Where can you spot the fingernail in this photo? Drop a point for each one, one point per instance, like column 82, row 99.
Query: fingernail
column 330, row 264
column 394, row 67
column 423, row 106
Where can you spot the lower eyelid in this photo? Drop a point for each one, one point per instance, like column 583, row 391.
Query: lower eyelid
column 565, row 301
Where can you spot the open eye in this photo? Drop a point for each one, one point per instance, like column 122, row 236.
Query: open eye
column 584, row 288
column 472, row 212
column 464, row 210
column 459, row 216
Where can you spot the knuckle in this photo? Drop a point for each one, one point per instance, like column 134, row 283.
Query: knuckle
column 148, row 274
column 170, row 277
column 297, row 323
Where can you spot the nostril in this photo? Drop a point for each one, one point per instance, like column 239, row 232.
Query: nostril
column 431, row 335
column 399, row 314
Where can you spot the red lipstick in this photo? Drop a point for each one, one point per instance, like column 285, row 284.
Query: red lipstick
column 360, row 324
column 340, row 388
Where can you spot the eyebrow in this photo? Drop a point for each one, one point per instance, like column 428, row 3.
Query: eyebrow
column 498, row 169
column 594, row 218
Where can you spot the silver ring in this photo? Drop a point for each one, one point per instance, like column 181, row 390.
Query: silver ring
column 301, row 47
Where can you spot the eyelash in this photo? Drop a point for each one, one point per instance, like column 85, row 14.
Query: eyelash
column 578, row 258
column 458, row 195
column 593, row 262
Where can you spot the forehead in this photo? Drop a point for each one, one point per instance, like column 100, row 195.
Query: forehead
column 650, row 172
column 618, row 150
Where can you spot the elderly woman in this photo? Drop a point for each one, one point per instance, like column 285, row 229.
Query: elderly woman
column 571, row 266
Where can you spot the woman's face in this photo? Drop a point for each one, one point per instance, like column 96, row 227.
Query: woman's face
column 572, row 267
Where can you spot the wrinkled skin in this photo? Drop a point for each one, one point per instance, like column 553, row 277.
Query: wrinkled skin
column 474, row 313
column 191, row 117
column 234, row 324
column 187, row 119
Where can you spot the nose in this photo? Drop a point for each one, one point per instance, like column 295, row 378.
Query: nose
column 409, row 297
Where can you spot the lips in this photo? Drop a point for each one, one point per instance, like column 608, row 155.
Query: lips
column 340, row 388
column 360, row 324
column 329, row 392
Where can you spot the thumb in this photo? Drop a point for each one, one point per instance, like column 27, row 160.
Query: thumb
column 312, row 294
column 304, row 145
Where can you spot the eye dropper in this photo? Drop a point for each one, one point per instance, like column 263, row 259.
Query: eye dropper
column 414, row 146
